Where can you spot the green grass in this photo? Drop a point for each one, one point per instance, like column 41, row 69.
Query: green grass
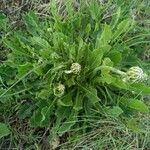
column 62, row 73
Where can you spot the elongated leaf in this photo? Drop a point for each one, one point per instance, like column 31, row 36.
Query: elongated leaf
column 116, row 111
column 44, row 113
column 62, row 113
column 120, row 84
column 66, row 101
column 140, row 88
column 91, row 93
column 69, row 7
column 96, row 58
column 4, row 131
column 115, row 56
column 116, row 17
column 40, row 42
column 122, row 27
column 23, row 69
column 43, row 94
column 25, row 111
column 41, row 117
column 133, row 125
column 107, row 62
column 3, row 22
column 31, row 21
column 106, row 35
column 105, row 72
column 95, row 10
column 137, row 105
column 88, row 28
column 105, row 48
column 78, row 102
column 36, row 119
column 66, row 126
column 105, row 38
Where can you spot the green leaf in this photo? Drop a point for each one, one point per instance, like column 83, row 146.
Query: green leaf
column 115, row 56
column 78, row 102
column 32, row 23
column 104, row 39
column 62, row 113
column 38, row 69
column 41, row 117
column 43, row 94
column 3, row 22
column 106, row 77
column 66, row 100
column 116, row 111
column 4, row 131
column 115, row 17
column 12, row 44
column 70, row 82
column 107, row 62
column 120, row 84
column 121, row 28
column 133, row 125
column 105, row 48
column 140, row 88
column 106, row 35
column 105, row 72
column 88, row 28
column 25, row 111
column 44, row 113
column 69, row 7
column 95, row 10
column 66, row 126
column 23, row 69
column 91, row 93
column 137, row 105
column 36, row 119
column 40, row 42
column 96, row 58
column 54, row 10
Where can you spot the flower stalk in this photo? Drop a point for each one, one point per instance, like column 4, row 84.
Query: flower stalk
column 134, row 74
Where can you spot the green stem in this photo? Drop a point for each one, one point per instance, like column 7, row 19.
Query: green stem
column 114, row 70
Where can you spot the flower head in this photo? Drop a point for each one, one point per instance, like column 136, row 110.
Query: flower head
column 59, row 90
column 49, row 29
column 135, row 74
column 75, row 68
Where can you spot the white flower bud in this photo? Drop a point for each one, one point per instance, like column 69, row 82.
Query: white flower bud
column 135, row 74
column 75, row 68
column 49, row 29
column 59, row 90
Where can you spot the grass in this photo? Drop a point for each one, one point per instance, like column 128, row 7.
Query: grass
column 38, row 46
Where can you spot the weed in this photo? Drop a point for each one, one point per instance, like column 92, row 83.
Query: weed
column 74, row 76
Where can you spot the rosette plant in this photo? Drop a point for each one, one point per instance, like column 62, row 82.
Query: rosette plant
column 70, row 65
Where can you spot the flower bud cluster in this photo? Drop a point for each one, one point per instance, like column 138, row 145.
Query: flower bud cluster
column 75, row 69
column 135, row 74
column 59, row 90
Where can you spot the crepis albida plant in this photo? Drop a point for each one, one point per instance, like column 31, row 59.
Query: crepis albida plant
column 67, row 68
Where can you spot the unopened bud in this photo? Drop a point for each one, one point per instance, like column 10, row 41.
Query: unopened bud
column 59, row 90
column 75, row 68
column 135, row 74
